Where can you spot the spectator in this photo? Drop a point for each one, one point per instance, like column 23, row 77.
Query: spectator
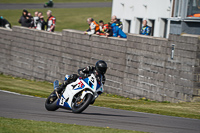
column 40, row 23
column 51, row 22
column 25, row 20
column 117, row 21
column 35, row 19
column 94, row 27
column 36, row 14
column 32, row 20
column 106, row 30
column 109, row 31
column 117, row 32
column 103, row 27
column 145, row 29
column 4, row 23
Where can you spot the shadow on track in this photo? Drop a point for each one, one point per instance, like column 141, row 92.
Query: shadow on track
column 100, row 114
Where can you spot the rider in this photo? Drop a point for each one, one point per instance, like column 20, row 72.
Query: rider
column 49, row 4
column 98, row 70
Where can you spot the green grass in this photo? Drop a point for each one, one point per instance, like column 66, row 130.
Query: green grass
column 43, row 89
column 74, row 18
column 8, row 125
column 55, row 1
column 183, row 109
column 23, row 86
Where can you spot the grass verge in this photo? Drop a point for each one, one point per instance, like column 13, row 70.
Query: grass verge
column 70, row 18
column 8, row 125
column 55, row 1
column 43, row 89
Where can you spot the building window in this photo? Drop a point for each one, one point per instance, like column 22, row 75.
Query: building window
column 151, row 23
column 177, row 8
column 193, row 8
column 127, row 26
column 138, row 25
column 164, row 25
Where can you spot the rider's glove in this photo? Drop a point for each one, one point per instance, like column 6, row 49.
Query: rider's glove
column 87, row 69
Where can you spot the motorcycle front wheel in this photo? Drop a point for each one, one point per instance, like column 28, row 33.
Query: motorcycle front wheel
column 51, row 102
column 79, row 105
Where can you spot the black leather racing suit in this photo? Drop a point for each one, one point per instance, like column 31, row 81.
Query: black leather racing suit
column 84, row 73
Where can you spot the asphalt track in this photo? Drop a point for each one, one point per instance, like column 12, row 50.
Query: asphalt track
column 32, row 108
column 56, row 5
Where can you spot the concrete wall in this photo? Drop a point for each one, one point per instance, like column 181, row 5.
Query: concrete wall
column 139, row 66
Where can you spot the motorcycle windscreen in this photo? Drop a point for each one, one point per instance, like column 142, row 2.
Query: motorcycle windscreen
column 91, row 81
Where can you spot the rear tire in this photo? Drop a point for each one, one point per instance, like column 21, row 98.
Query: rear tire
column 80, row 108
column 51, row 102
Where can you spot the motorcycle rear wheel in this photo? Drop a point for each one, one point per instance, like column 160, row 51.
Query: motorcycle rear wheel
column 51, row 102
column 80, row 106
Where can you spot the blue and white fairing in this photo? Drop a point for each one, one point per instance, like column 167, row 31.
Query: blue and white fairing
column 87, row 85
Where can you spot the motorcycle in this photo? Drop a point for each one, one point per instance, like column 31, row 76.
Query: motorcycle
column 49, row 4
column 77, row 96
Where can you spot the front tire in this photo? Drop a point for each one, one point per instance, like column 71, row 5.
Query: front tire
column 79, row 106
column 51, row 102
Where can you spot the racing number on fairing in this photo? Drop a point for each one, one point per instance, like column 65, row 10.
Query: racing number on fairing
column 92, row 80
column 62, row 101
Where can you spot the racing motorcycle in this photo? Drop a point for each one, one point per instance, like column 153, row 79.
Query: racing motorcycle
column 77, row 96
column 49, row 4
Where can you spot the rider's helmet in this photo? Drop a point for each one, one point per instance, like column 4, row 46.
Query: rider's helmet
column 101, row 66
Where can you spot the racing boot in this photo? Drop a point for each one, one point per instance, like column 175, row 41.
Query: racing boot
column 71, row 79
column 62, row 87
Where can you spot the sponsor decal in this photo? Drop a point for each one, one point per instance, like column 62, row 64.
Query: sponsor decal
column 81, row 84
column 73, row 86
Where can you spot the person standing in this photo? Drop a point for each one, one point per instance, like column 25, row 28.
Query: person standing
column 145, row 29
column 25, row 20
column 94, row 27
column 32, row 20
column 117, row 32
column 35, row 19
column 109, row 31
column 116, row 21
column 103, row 27
column 51, row 22
column 40, row 23
column 4, row 23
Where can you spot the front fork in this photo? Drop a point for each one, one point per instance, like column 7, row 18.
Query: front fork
column 57, row 94
column 84, row 93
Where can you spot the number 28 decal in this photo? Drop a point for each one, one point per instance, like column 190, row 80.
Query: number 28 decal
column 62, row 101
column 92, row 80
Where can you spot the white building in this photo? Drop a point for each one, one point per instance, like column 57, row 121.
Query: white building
column 163, row 16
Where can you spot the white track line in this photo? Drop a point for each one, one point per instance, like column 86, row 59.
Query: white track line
column 15, row 93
